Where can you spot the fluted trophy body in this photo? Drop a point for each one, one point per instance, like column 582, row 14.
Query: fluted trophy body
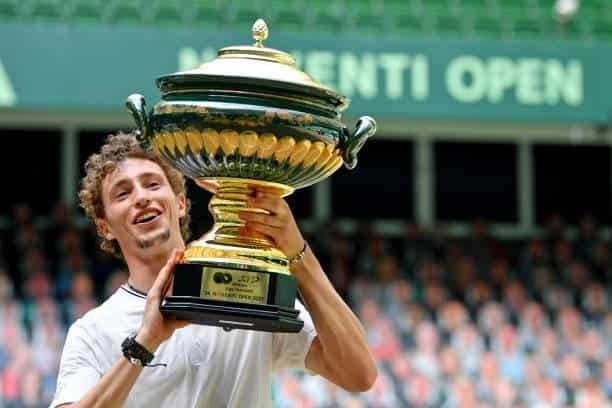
column 247, row 120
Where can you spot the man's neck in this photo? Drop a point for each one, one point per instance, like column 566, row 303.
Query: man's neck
column 144, row 270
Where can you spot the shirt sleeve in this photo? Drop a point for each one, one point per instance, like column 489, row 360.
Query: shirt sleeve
column 78, row 371
column 290, row 349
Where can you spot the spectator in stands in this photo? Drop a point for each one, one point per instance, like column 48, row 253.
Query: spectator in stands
column 573, row 375
column 587, row 239
column 488, row 377
column 81, row 298
column 31, row 389
column 546, row 393
column 424, row 357
column 461, row 394
column 469, row 344
column 570, row 326
column 606, row 377
column 435, row 294
column 413, row 248
column 115, row 279
column 591, row 395
column 72, row 263
column 507, row 349
column 401, row 372
column 491, row 316
column 451, row 317
column 382, row 393
column 397, row 295
column 450, row 365
column 595, row 302
column 462, row 274
column 556, row 297
column 476, row 295
column 499, row 275
column 532, row 321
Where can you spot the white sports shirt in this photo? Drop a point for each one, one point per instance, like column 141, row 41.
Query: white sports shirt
column 206, row 366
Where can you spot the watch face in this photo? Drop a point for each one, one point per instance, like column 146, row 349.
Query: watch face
column 135, row 362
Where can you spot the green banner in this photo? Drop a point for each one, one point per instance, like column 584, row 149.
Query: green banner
column 94, row 68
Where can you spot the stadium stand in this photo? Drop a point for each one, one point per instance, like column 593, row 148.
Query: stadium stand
column 481, row 18
column 471, row 322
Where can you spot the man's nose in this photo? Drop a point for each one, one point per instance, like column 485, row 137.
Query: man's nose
column 142, row 197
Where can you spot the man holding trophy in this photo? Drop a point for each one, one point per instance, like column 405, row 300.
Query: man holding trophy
column 250, row 128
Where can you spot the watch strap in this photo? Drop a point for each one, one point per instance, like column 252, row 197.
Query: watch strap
column 136, row 352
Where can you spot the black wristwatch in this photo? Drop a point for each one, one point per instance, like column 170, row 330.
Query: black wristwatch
column 135, row 352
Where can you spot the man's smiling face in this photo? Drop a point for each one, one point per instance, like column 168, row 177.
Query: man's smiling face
column 141, row 210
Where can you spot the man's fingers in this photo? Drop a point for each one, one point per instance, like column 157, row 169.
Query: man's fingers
column 273, row 204
column 259, row 218
column 163, row 277
column 272, row 232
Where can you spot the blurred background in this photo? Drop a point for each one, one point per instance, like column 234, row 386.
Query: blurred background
column 472, row 239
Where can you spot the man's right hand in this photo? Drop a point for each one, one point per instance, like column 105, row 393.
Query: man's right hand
column 155, row 327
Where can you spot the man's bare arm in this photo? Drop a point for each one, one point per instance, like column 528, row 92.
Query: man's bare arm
column 340, row 351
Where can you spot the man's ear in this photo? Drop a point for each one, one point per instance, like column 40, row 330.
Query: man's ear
column 182, row 204
column 103, row 229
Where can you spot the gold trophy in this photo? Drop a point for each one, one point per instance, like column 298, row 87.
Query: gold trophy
column 248, row 119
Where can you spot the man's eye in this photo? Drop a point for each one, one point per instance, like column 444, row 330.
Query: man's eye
column 122, row 194
column 153, row 184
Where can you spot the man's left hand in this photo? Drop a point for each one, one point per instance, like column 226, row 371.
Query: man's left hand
column 279, row 225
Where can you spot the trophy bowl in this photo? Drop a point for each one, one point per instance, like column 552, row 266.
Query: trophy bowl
column 247, row 120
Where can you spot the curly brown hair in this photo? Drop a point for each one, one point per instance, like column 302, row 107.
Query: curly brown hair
column 119, row 147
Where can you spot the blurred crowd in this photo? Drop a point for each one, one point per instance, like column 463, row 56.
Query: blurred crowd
column 453, row 322
column 473, row 322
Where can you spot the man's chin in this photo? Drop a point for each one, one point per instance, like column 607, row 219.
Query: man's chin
column 153, row 241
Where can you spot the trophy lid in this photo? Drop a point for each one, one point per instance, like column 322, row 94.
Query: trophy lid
column 254, row 68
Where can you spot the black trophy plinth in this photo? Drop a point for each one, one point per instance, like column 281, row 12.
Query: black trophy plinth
column 208, row 295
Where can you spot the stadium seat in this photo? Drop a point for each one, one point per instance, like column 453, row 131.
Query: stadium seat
column 366, row 16
column 482, row 19
column 288, row 14
column 128, row 11
column 48, row 10
column 207, row 13
column 86, row 10
column 245, row 13
column 406, row 17
column 8, row 9
column 170, row 12
column 446, row 17
column 328, row 15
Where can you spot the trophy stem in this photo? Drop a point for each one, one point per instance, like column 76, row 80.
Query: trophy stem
column 229, row 241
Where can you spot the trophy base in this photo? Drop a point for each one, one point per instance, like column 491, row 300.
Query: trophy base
column 215, row 294
column 228, row 315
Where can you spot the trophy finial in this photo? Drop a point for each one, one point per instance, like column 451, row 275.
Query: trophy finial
column 260, row 32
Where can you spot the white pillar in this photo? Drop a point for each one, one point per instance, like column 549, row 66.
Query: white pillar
column 525, row 177
column 424, row 177
column 69, row 165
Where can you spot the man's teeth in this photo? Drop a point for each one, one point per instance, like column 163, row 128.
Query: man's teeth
column 147, row 217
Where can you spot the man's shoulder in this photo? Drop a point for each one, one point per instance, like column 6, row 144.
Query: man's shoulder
column 100, row 316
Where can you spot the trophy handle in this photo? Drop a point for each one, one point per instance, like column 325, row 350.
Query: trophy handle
column 351, row 145
column 136, row 105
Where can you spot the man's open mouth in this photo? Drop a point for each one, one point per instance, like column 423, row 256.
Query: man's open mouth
column 147, row 216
